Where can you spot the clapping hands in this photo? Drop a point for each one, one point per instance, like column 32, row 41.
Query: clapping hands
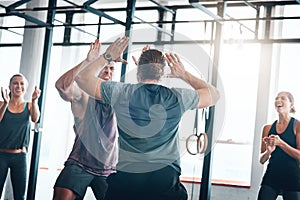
column 36, row 94
column 5, row 95
column 271, row 142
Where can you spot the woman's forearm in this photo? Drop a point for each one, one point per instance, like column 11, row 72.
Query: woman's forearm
column 35, row 111
column 2, row 110
column 264, row 157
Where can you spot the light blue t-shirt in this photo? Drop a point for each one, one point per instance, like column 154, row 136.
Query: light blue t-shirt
column 148, row 117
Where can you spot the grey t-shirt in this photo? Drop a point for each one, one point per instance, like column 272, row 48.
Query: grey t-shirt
column 95, row 148
column 148, row 117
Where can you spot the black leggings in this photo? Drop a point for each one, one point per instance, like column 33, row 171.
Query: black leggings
column 17, row 163
column 268, row 193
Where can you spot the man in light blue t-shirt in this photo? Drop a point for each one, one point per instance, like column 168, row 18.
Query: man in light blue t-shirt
column 148, row 116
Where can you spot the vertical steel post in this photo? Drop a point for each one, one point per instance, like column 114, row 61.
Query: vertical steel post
column 128, row 26
column 41, row 102
column 205, row 188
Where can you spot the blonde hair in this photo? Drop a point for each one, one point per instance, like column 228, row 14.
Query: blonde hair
column 291, row 98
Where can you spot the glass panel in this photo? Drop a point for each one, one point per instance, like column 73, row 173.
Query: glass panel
column 239, row 30
column 232, row 170
column 12, row 35
column 239, row 12
column 108, row 33
column 58, row 31
column 84, row 33
column 242, row 29
column 288, row 76
column 239, row 70
column 10, row 64
column 109, row 4
column 194, row 14
column 239, row 66
column 121, row 16
column 290, row 28
column 147, row 15
column 292, row 10
column 287, row 28
column 139, row 32
column 58, row 134
column 200, row 31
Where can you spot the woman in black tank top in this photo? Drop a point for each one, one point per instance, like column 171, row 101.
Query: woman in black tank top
column 15, row 116
column 281, row 147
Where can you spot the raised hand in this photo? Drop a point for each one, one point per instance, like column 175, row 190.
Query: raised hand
column 94, row 51
column 175, row 64
column 5, row 95
column 116, row 49
column 36, row 94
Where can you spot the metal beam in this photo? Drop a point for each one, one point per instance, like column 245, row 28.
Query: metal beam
column 14, row 32
column 29, row 18
column 130, row 10
column 16, row 4
column 87, row 6
column 208, row 12
column 250, row 4
column 163, row 7
column 10, row 10
column 241, row 24
column 74, row 26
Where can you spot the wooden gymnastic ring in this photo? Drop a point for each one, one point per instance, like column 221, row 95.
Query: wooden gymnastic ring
column 202, row 145
column 187, row 145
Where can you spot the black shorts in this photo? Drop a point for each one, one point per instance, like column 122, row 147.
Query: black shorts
column 163, row 184
column 77, row 179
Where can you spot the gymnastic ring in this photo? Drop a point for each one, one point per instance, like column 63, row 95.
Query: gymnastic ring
column 202, row 144
column 187, row 144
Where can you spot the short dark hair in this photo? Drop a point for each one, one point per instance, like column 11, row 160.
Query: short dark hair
column 151, row 65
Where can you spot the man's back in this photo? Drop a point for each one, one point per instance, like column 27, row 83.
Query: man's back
column 148, row 118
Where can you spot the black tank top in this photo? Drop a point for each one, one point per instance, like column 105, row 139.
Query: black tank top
column 15, row 129
column 283, row 171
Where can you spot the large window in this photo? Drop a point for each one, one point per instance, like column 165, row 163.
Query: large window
column 10, row 56
column 238, row 78
column 233, row 146
column 288, row 78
